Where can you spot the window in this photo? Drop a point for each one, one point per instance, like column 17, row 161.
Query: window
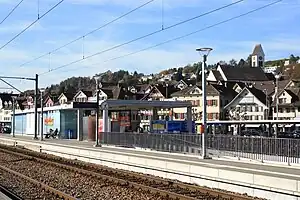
column 254, row 64
column 256, row 109
column 280, row 110
column 208, row 102
column 196, row 103
column 260, row 63
column 134, row 116
column 181, row 115
column 244, row 109
column 63, row 101
column 292, row 109
column 215, row 116
column 209, row 116
column 256, row 117
column 249, row 108
column 214, row 103
column 287, row 110
column 298, row 109
column 282, row 100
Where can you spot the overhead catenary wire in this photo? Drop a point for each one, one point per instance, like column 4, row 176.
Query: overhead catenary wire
column 30, row 25
column 14, row 8
column 145, row 36
column 187, row 35
column 89, row 33
column 11, row 85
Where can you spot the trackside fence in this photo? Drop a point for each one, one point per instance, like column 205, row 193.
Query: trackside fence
column 256, row 148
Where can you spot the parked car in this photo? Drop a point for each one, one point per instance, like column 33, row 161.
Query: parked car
column 251, row 132
column 6, row 129
column 294, row 134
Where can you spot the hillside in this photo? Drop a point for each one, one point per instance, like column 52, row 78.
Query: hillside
column 74, row 84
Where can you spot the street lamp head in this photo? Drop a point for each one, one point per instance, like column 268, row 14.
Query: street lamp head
column 98, row 77
column 277, row 76
column 204, row 51
column 42, row 90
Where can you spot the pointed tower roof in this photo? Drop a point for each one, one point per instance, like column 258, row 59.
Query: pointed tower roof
column 258, row 50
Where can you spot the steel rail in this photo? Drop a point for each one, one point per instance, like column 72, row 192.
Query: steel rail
column 127, row 176
column 10, row 194
column 123, row 182
column 37, row 183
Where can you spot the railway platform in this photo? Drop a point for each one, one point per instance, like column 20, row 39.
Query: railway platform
column 256, row 179
column 4, row 197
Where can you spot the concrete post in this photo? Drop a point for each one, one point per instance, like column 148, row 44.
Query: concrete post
column 214, row 129
column 42, row 117
column 105, row 120
column 36, row 106
column 97, row 113
column 79, row 124
column 153, row 117
column 270, row 129
column 189, row 119
column 154, row 114
column 14, row 117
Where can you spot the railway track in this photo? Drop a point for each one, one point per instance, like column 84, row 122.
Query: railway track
column 56, row 193
column 165, row 188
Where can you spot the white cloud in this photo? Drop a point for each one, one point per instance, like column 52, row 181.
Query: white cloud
column 17, row 26
column 151, row 61
column 134, row 3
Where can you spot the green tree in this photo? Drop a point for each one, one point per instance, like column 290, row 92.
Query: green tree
column 293, row 59
column 242, row 63
column 249, row 60
column 178, row 75
column 233, row 62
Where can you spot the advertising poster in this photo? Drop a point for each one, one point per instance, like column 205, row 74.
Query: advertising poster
column 48, row 121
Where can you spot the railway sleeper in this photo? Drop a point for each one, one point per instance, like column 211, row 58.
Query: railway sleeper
column 62, row 163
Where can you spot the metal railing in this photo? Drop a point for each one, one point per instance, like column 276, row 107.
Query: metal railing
column 255, row 148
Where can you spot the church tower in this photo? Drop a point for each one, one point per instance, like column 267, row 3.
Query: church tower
column 258, row 56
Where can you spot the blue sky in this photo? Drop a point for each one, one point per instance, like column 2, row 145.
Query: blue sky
column 276, row 28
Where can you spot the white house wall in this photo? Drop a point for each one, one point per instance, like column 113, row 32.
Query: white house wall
column 81, row 95
column 211, row 77
column 63, row 99
column 5, row 115
column 30, row 122
column 222, row 73
column 283, row 95
column 249, row 99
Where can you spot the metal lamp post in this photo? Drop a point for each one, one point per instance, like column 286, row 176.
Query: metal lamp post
column 42, row 114
column 97, row 79
column 13, row 115
column 277, row 77
column 204, row 52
